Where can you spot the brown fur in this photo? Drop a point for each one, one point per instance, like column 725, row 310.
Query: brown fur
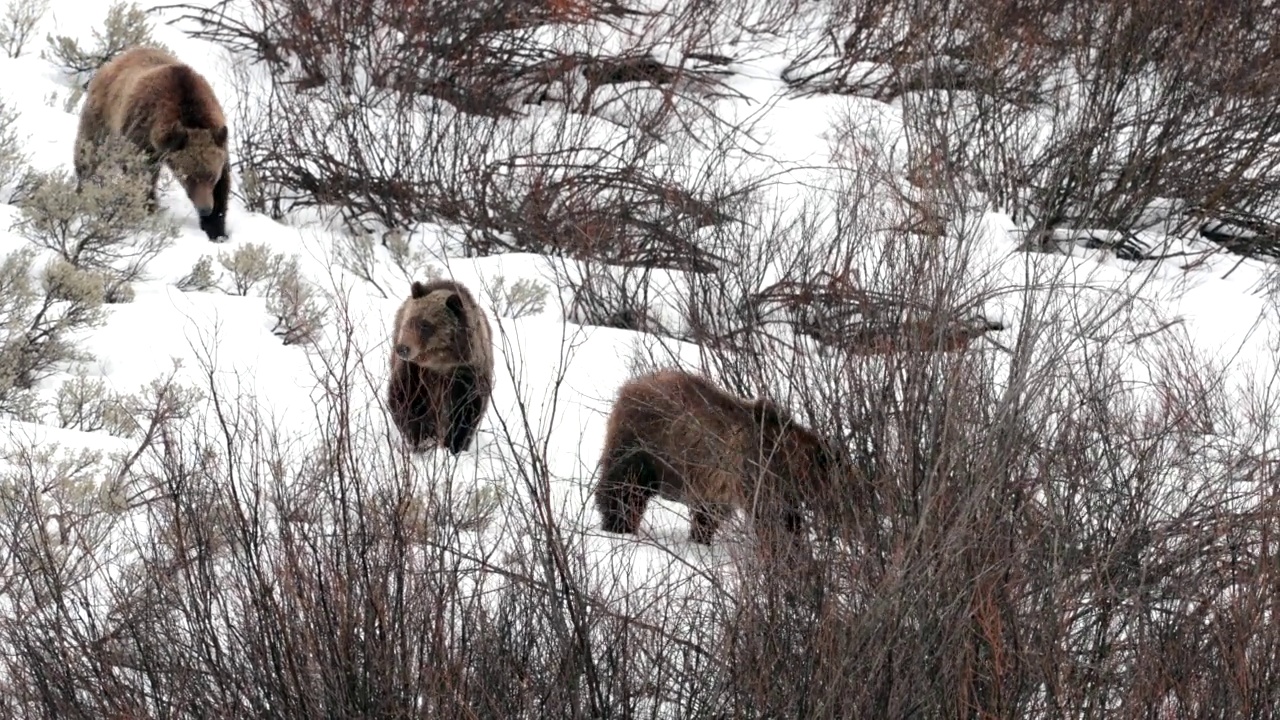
column 161, row 106
column 441, row 366
column 678, row 436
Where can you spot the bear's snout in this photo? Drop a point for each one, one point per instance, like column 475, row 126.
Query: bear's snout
column 205, row 211
column 402, row 351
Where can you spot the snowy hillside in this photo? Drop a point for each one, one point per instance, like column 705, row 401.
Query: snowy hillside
column 297, row 432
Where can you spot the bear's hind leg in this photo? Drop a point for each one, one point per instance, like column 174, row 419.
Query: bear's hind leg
column 626, row 485
column 89, row 138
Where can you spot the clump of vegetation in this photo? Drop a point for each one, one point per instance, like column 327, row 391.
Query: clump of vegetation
column 13, row 161
column 106, row 227
column 522, row 298
column 357, row 252
column 39, row 316
column 18, row 23
column 249, row 266
column 126, row 25
column 295, row 304
column 201, row 278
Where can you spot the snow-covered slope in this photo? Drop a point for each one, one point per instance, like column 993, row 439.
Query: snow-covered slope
column 1219, row 303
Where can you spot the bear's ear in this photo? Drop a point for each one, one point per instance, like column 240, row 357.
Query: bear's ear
column 454, row 304
column 417, row 290
column 174, row 139
column 826, row 459
column 769, row 414
column 220, row 136
column 764, row 411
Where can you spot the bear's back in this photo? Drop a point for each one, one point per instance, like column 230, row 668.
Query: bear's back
column 702, row 434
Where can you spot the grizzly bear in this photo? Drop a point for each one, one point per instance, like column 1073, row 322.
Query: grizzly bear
column 147, row 98
column 441, row 366
column 676, row 435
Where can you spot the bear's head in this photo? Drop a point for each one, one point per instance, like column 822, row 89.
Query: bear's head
column 432, row 328
column 797, row 453
column 198, row 157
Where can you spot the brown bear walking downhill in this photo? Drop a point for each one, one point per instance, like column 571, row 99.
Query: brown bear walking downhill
column 441, row 366
column 165, row 109
column 677, row 436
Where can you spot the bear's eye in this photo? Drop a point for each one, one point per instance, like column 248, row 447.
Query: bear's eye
column 426, row 328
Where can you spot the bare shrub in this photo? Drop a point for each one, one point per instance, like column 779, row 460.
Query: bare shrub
column 296, row 304
column 1034, row 538
column 39, row 317
column 1098, row 121
column 18, row 23
column 522, row 298
column 249, row 266
column 105, row 226
column 13, row 160
column 201, row 278
column 1076, row 523
column 82, row 404
column 345, row 535
column 404, row 128
column 125, row 26
column 357, row 251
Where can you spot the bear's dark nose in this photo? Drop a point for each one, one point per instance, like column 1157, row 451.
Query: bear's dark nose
column 403, row 351
column 204, row 212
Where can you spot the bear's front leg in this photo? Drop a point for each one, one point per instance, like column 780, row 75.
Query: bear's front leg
column 466, row 409
column 411, row 408
column 704, row 520
column 628, row 479
column 214, row 224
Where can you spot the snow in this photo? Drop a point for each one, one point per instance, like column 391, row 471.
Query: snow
column 562, row 374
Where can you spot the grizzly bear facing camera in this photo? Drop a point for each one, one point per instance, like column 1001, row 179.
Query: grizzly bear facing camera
column 677, row 436
column 441, row 367
column 166, row 110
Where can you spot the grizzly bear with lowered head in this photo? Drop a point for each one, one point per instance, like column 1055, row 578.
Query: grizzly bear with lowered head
column 677, row 436
column 441, row 366
column 168, row 112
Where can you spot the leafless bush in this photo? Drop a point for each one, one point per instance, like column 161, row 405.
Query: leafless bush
column 18, row 23
column 618, row 297
column 1107, row 118
column 125, row 26
column 249, row 266
column 201, row 278
column 12, row 159
column 1074, row 523
column 1025, row 536
column 424, row 123
column 362, row 571
column 40, row 314
column 518, row 299
column 296, row 304
column 105, row 226
column 1021, row 534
